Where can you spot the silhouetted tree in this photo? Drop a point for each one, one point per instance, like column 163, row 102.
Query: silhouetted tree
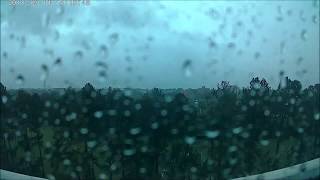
column 182, row 134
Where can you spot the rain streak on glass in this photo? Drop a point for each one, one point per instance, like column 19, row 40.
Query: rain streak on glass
column 104, row 50
column 45, row 20
column 186, row 66
column 45, row 73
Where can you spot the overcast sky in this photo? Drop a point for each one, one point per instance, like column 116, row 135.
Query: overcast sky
column 166, row 44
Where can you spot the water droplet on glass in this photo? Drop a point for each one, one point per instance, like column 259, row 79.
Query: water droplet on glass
column 300, row 130
column 47, row 104
column 28, row 156
column 129, row 152
column 279, row 18
column 283, row 82
column 150, row 38
column 91, row 144
column 252, row 102
column 142, row 170
column 98, row 114
column 316, row 116
column 282, row 47
column 5, row 55
column 23, row 42
column 303, row 34
column 127, row 113
column 266, row 112
column 20, row 79
column 299, row 60
column 315, row 19
column 212, row 43
column 279, row 8
column 233, row 161
column 303, row 167
column 232, row 148
column 84, row 131
column 56, row 35
column 45, row 74
column 58, row 61
column 57, row 121
column 60, row 10
column 102, row 76
column 189, row 139
column 281, row 73
column 257, row 55
column 214, row 14
column 237, row 130
column 47, row 144
column 11, row 36
column 18, row 133
column 260, row 177
column 212, row 134
column 78, row 55
column 102, row 176
column 264, row 142
column 164, row 112
column 45, row 20
column 128, row 58
column 69, row 22
column 234, row 35
column 104, row 50
column 112, row 130
column 155, row 125
column 51, row 177
column 244, row 108
column 137, row 106
column 315, row 3
column 292, row 100
column 86, row 45
column 101, row 65
column 231, row 45
column 4, row 99
column 114, row 38
column 239, row 23
column 48, row 52
column 193, row 169
column 112, row 112
column 66, row 162
column 135, row 131
column 44, row 68
column 302, row 17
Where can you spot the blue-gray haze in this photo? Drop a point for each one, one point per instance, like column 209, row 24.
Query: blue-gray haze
column 166, row 44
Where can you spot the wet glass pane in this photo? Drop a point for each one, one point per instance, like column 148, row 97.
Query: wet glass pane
column 170, row 90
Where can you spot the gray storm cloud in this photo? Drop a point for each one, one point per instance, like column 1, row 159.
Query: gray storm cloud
column 146, row 44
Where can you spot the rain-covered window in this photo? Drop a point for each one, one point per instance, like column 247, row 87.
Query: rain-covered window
column 159, row 90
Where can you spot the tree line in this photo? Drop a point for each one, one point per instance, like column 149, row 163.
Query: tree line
column 91, row 134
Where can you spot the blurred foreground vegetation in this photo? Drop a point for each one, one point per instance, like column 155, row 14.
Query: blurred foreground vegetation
column 112, row 134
